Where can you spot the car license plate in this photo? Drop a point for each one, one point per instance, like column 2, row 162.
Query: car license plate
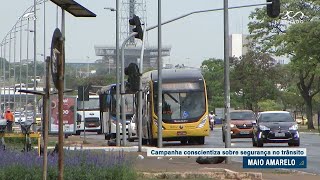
column 279, row 134
column 181, row 133
column 244, row 132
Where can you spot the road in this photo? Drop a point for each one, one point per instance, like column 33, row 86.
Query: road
column 309, row 141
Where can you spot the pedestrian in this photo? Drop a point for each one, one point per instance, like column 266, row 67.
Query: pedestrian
column 8, row 115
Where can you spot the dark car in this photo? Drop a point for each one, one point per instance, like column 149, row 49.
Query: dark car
column 275, row 127
column 240, row 124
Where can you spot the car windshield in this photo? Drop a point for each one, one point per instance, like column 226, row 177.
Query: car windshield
column 242, row 116
column 276, row 117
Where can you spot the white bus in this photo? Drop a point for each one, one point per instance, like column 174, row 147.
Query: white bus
column 90, row 113
column 108, row 111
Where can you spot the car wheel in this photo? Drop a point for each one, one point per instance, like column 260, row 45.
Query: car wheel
column 223, row 138
column 254, row 143
column 295, row 143
column 259, row 143
column 130, row 139
column 78, row 133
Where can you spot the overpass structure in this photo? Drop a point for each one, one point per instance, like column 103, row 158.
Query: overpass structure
column 131, row 54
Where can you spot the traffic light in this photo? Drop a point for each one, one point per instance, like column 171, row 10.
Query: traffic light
column 273, row 10
column 83, row 93
column 135, row 21
column 132, row 71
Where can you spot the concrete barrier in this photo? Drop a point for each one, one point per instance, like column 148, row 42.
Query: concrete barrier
column 215, row 173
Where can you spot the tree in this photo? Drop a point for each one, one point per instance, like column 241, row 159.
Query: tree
column 254, row 78
column 295, row 35
column 213, row 72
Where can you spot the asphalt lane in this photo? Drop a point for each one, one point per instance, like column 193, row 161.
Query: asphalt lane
column 307, row 140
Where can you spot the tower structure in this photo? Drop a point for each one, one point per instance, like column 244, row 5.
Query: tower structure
column 127, row 10
column 132, row 51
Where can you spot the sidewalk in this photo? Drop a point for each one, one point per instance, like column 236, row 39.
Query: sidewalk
column 184, row 167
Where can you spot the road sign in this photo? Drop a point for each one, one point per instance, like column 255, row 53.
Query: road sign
column 57, row 58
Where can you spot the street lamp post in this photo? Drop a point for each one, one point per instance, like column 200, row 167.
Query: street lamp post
column 20, row 65
column 35, row 57
column 117, row 74
column 27, row 62
column 159, row 78
column 113, row 10
column 4, row 76
column 9, row 70
column 226, row 78
column 14, row 68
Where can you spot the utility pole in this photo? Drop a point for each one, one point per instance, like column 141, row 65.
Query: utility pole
column 226, row 78
column 159, row 78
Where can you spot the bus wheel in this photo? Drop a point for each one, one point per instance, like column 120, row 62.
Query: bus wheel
column 107, row 136
column 200, row 140
column 144, row 141
column 184, row 141
column 154, row 142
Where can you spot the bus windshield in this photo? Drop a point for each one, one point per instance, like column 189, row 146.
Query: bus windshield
column 92, row 104
column 182, row 105
column 128, row 101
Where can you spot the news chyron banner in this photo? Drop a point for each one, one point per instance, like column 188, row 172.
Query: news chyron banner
column 252, row 157
column 69, row 115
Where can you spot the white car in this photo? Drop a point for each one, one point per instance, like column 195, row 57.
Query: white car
column 132, row 134
column 18, row 116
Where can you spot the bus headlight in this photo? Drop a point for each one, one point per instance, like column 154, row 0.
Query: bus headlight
column 203, row 122
column 156, row 123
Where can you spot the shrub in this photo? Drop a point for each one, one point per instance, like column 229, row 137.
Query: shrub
column 78, row 164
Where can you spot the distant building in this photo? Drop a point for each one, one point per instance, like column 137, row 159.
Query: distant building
column 237, row 45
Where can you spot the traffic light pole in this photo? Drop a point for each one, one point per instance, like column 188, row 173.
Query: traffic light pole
column 203, row 11
column 140, row 94
column 123, row 114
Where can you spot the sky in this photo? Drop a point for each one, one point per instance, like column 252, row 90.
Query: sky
column 192, row 39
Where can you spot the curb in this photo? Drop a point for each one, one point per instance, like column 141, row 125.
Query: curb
column 313, row 133
column 216, row 173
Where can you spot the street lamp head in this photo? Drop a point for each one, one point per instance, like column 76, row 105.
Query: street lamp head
column 26, row 15
column 29, row 30
column 109, row 8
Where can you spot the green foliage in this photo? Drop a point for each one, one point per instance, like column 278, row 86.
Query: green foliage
column 296, row 38
column 269, row 105
column 18, row 172
column 213, row 70
column 253, row 78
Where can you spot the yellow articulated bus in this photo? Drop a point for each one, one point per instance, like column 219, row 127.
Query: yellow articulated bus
column 184, row 106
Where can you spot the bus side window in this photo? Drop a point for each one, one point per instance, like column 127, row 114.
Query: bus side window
column 108, row 102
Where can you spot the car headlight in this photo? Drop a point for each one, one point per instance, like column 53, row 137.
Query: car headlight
column 294, row 127
column 203, row 122
column 232, row 125
column 263, row 128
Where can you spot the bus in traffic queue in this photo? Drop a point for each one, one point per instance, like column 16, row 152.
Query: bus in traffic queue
column 88, row 115
column 184, row 106
column 107, row 95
